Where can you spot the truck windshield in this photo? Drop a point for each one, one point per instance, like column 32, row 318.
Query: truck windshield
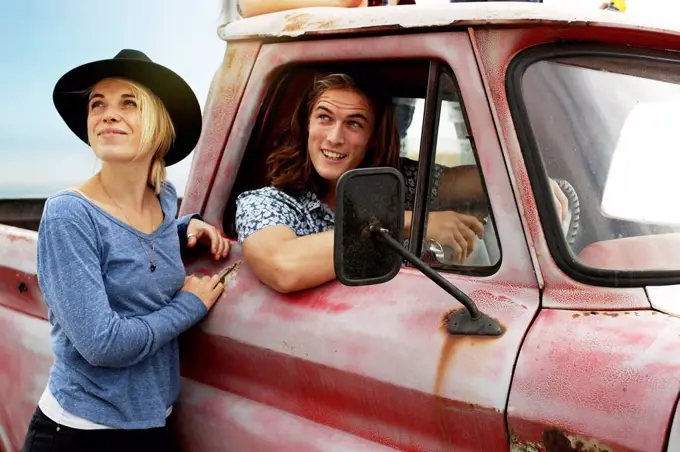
column 610, row 126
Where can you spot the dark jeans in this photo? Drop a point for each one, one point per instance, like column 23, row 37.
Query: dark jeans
column 45, row 435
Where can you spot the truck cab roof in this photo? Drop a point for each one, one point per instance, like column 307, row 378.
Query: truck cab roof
column 331, row 20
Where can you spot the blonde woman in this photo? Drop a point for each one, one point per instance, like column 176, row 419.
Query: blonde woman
column 109, row 262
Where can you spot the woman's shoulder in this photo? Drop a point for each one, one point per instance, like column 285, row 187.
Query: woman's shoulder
column 67, row 205
column 169, row 198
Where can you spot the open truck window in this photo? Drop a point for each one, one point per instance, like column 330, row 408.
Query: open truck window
column 431, row 122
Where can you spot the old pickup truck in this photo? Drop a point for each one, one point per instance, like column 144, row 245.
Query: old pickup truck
column 556, row 334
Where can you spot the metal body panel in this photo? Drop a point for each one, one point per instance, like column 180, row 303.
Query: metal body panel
column 26, row 357
column 247, row 426
column 610, row 378
column 373, row 361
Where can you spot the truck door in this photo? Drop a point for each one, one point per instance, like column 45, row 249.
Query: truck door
column 370, row 367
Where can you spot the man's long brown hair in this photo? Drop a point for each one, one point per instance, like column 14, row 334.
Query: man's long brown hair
column 289, row 167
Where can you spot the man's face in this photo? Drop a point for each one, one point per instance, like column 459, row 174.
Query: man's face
column 340, row 128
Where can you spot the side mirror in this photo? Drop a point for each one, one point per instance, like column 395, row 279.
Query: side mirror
column 362, row 196
column 369, row 243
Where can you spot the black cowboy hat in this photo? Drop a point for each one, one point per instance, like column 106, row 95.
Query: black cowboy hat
column 177, row 96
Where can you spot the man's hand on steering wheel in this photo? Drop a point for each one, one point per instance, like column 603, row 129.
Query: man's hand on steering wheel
column 455, row 230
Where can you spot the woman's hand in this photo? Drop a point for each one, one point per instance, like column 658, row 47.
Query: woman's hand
column 208, row 288
column 455, row 230
column 200, row 231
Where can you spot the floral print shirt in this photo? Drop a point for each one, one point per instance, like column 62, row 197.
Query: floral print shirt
column 307, row 214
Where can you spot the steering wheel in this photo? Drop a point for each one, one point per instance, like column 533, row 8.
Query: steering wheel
column 572, row 224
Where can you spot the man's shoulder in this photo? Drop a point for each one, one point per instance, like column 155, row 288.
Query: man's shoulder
column 269, row 194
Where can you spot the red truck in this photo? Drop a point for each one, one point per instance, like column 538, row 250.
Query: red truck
column 556, row 334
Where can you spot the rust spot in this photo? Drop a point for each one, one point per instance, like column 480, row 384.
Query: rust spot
column 555, row 440
column 627, row 313
column 231, row 55
column 611, row 314
column 22, row 287
column 296, row 22
column 594, row 313
column 654, row 313
column 449, row 348
column 452, row 343
column 575, row 316
column 233, row 272
column 326, row 24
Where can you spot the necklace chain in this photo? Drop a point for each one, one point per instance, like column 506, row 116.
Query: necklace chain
column 152, row 262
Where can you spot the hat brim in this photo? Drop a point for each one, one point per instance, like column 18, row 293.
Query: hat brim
column 177, row 96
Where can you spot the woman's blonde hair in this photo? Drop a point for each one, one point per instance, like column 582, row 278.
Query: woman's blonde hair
column 158, row 131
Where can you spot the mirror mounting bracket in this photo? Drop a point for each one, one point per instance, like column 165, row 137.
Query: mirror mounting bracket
column 468, row 321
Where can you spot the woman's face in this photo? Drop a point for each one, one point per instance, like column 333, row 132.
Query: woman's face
column 340, row 128
column 113, row 121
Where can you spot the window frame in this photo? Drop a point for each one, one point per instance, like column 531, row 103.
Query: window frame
column 426, row 157
column 536, row 170
column 264, row 121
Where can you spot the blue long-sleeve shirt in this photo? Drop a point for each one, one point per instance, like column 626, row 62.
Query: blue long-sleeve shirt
column 114, row 322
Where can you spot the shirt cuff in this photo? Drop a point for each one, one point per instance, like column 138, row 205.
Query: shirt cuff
column 182, row 226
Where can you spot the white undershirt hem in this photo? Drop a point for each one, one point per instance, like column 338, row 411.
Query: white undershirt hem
column 50, row 406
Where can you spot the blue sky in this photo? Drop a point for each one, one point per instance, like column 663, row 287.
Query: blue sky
column 42, row 39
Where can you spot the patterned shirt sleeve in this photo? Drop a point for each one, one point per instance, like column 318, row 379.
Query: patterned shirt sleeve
column 258, row 209
column 410, row 172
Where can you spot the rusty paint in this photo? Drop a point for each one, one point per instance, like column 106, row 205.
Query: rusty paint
column 296, row 22
column 575, row 315
column 597, row 375
column 517, row 445
column 556, row 440
column 448, row 349
column 222, row 104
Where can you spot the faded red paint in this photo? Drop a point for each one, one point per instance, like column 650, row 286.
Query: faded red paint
column 223, row 102
column 597, row 376
column 26, row 357
column 18, row 283
column 246, row 425
column 380, row 368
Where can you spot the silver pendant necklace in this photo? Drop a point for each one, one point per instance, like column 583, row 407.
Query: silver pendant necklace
column 152, row 257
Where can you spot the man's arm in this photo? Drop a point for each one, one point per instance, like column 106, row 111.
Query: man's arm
column 459, row 185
